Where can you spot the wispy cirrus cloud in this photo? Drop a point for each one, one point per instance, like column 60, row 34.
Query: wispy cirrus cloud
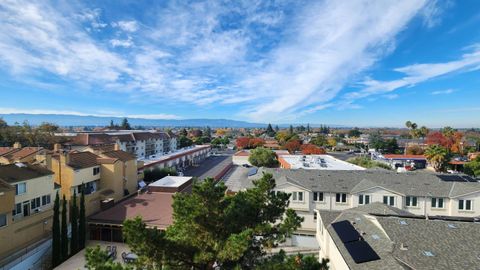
column 271, row 60
column 418, row 73
column 443, row 92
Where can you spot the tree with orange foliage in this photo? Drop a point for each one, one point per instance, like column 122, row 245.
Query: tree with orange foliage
column 311, row 149
column 242, row 142
column 450, row 140
column 415, row 150
column 293, row 145
column 256, row 142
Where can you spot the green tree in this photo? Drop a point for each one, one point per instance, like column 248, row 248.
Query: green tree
column 183, row 141
column 262, row 157
column 270, row 132
column 64, row 233
column 98, row 259
column 438, row 156
column 367, row 163
column 281, row 261
column 82, row 232
column 354, row 133
column 74, row 224
column 473, row 167
column 211, row 227
column 125, row 125
column 56, row 239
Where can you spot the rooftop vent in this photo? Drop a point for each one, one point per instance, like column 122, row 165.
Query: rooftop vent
column 403, row 222
column 20, row 165
column 428, row 253
column 375, row 236
column 403, row 246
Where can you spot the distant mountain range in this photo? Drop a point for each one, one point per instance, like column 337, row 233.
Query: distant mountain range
column 66, row 120
column 77, row 120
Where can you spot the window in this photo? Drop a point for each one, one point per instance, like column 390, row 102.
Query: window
column 464, row 204
column 297, row 196
column 437, row 202
column 17, row 210
column 45, row 199
column 341, row 198
column 314, row 215
column 96, row 170
column 3, row 220
column 411, row 201
column 389, row 200
column 20, row 188
column 363, row 199
column 35, row 203
column 318, row 196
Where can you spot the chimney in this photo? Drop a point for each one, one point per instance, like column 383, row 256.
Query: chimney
column 116, row 146
column 57, row 147
column 17, row 145
column 64, row 158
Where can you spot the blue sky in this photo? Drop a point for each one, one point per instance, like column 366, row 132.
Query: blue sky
column 362, row 63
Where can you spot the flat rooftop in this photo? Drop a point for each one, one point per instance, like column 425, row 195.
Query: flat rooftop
column 179, row 153
column 318, row 162
column 171, row 181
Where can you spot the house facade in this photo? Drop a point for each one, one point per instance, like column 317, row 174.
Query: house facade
column 422, row 194
column 105, row 177
column 27, row 193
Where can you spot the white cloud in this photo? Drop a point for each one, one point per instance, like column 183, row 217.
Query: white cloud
column 77, row 113
column 92, row 16
column 126, row 43
column 418, row 73
column 267, row 63
column 443, row 92
column 391, row 96
column 128, row 26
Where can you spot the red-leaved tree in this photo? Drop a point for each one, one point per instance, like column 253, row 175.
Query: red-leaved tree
column 293, row 145
column 311, row 149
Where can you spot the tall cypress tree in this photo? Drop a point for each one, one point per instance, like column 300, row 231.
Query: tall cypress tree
column 82, row 223
column 74, row 222
column 64, row 230
column 56, row 241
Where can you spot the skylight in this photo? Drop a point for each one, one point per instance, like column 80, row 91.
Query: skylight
column 428, row 253
column 403, row 222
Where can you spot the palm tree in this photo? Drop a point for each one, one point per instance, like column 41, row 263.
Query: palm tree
column 437, row 156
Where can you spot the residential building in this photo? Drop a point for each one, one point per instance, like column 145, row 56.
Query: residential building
column 19, row 154
column 419, row 193
column 153, row 205
column 179, row 160
column 27, row 193
column 107, row 177
column 377, row 236
column 143, row 144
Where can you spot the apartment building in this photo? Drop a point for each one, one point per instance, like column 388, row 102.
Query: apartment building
column 378, row 236
column 19, row 154
column 419, row 193
column 26, row 208
column 143, row 144
column 107, row 177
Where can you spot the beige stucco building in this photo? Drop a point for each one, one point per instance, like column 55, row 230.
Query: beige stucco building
column 106, row 177
column 26, row 202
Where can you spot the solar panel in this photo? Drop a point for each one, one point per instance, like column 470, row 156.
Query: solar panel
column 346, row 231
column 361, row 252
column 451, row 178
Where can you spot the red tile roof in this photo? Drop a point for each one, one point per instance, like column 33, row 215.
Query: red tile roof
column 155, row 208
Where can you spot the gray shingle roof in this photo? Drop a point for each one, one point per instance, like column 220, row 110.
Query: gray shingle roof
column 452, row 248
column 411, row 183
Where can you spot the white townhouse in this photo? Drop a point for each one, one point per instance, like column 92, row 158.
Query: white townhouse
column 419, row 193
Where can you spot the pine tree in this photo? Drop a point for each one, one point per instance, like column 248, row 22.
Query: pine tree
column 290, row 130
column 64, row 235
column 56, row 241
column 74, row 222
column 125, row 125
column 82, row 223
